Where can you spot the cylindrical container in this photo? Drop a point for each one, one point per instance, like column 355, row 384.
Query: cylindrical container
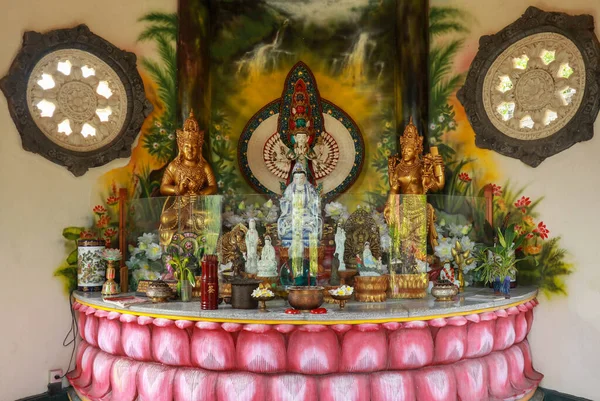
column 210, row 283
column 91, row 268
column 186, row 291
column 241, row 293
column 370, row 288
column 408, row 286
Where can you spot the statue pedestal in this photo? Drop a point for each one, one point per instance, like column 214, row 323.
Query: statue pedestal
column 160, row 350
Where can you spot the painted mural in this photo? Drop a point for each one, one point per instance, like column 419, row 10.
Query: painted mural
column 252, row 49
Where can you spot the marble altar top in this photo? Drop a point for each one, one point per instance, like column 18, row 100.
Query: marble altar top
column 473, row 300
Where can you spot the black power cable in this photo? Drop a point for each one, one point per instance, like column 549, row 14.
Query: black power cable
column 74, row 331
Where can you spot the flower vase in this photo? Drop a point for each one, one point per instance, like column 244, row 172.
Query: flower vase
column 505, row 287
column 91, row 268
column 186, row 291
column 497, row 284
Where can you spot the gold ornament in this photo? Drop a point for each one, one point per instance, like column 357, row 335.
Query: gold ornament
column 411, row 173
column 186, row 177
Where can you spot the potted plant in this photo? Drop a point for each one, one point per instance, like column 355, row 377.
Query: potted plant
column 498, row 262
column 184, row 275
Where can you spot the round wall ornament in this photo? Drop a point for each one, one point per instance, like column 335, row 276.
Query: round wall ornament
column 75, row 98
column 533, row 88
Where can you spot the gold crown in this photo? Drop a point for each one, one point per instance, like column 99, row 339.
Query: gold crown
column 191, row 131
column 411, row 137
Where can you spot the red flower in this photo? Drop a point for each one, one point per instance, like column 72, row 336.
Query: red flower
column 523, row 203
column 86, row 235
column 542, row 230
column 496, row 190
column 103, row 222
column 464, row 177
column 99, row 209
column 110, row 232
column 112, row 200
column 529, row 236
column 519, row 230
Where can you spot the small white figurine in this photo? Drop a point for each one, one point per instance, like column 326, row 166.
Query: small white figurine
column 370, row 265
column 251, row 248
column 267, row 266
column 340, row 240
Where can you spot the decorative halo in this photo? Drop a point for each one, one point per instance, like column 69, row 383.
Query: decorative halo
column 259, row 151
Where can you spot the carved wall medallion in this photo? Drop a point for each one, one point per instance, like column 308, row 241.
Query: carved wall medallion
column 532, row 89
column 75, row 98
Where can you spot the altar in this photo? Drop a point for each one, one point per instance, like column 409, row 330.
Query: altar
column 470, row 349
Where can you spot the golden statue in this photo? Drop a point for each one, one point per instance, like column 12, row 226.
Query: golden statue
column 413, row 174
column 186, row 177
column 360, row 228
column 232, row 243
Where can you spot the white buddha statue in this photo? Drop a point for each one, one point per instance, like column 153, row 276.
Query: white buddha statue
column 300, row 210
column 340, row 241
column 267, row 266
column 251, row 248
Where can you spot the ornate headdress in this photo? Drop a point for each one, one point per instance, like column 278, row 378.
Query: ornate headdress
column 191, row 131
column 411, row 137
column 300, row 118
column 298, row 169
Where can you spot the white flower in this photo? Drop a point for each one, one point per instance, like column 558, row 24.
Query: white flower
column 458, row 230
column 467, row 244
column 451, row 124
column 444, row 249
column 432, row 126
column 335, row 210
column 343, row 290
column 262, row 292
column 231, row 219
column 147, row 238
column 441, row 119
column 153, row 252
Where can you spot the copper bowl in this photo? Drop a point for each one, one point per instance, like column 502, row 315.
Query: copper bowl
column 305, row 298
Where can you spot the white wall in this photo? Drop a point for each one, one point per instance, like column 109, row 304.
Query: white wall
column 565, row 338
column 39, row 198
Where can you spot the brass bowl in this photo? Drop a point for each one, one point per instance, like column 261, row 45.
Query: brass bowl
column 444, row 291
column 342, row 299
column 305, row 298
column 262, row 302
column 159, row 291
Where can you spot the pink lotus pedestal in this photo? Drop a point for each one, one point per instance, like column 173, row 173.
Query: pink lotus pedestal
column 472, row 349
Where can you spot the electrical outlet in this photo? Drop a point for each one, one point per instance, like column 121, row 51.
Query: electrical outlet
column 55, row 376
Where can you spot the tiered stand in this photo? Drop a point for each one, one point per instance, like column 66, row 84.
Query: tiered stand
column 474, row 348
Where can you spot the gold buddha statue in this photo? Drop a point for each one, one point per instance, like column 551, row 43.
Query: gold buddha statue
column 186, row 177
column 413, row 174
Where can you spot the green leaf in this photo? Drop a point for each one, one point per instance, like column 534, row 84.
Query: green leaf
column 501, row 239
column 72, row 233
column 191, row 278
column 72, row 258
